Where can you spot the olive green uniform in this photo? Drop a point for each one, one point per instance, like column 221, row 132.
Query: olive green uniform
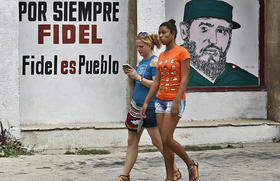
column 232, row 76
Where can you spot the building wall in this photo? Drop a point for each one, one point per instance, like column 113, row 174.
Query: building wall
column 272, row 54
column 200, row 106
column 9, row 78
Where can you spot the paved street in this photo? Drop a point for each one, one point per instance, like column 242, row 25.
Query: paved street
column 253, row 162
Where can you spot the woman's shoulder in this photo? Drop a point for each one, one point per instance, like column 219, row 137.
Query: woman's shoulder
column 183, row 52
column 181, row 49
column 154, row 61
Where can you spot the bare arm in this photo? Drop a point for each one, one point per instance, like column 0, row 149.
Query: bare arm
column 131, row 83
column 185, row 69
column 152, row 92
column 133, row 75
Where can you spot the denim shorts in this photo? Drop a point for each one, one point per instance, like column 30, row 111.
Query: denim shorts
column 165, row 106
column 150, row 121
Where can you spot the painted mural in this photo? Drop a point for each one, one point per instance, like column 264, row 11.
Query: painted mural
column 207, row 29
column 70, row 54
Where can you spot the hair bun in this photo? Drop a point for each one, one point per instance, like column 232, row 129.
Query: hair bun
column 172, row 21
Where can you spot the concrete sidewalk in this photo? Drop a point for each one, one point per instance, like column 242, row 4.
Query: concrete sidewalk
column 253, row 162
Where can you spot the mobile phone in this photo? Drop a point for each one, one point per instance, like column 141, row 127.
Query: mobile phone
column 126, row 66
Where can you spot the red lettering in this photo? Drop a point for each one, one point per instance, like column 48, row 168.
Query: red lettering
column 42, row 33
column 83, row 34
column 95, row 40
column 64, row 65
column 72, row 67
column 68, row 34
column 55, row 34
column 65, row 30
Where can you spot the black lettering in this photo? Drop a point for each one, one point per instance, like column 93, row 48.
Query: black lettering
column 21, row 9
column 65, row 11
column 97, row 9
column 115, row 11
column 42, row 10
column 72, row 9
column 32, row 65
column 115, row 67
column 32, row 6
column 85, row 11
column 107, row 10
column 48, row 66
column 57, row 11
column 24, row 63
column 55, row 65
column 96, row 67
column 40, row 66
column 81, row 63
column 88, row 67
column 103, row 65
column 109, row 69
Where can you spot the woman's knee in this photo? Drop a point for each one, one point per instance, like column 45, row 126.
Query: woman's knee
column 166, row 140
column 157, row 142
column 132, row 141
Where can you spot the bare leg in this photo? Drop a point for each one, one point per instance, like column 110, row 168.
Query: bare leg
column 167, row 124
column 132, row 152
column 156, row 140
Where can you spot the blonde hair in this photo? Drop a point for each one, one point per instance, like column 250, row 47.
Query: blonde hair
column 150, row 39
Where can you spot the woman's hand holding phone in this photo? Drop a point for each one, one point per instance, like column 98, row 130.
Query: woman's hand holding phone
column 130, row 71
column 126, row 66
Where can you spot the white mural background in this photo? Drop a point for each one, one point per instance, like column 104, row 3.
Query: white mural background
column 71, row 98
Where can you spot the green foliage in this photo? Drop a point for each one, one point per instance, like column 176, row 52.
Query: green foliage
column 93, row 152
column 9, row 146
column 202, row 148
column 69, row 153
column 88, row 152
column 213, row 147
column 196, row 148
column 148, row 150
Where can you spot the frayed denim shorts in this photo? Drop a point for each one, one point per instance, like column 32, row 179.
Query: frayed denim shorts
column 165, row 106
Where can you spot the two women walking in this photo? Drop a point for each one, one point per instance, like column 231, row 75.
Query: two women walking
column 159, row 99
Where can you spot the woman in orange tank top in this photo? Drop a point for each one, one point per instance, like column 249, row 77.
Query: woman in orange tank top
column 170, row 82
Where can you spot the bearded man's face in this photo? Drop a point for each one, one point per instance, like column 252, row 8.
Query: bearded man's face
column 208, row 42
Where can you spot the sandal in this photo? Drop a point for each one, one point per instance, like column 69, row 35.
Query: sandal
column 177, row 175
column 123, row 178
column 195, row 164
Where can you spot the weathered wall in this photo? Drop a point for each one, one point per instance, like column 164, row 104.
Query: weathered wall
column 225, row 105
column 272, row 58
column 9, row 84
column 150, row 14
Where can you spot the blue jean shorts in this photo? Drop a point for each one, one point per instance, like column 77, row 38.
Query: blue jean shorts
column 165, row 106
column 150, row 121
